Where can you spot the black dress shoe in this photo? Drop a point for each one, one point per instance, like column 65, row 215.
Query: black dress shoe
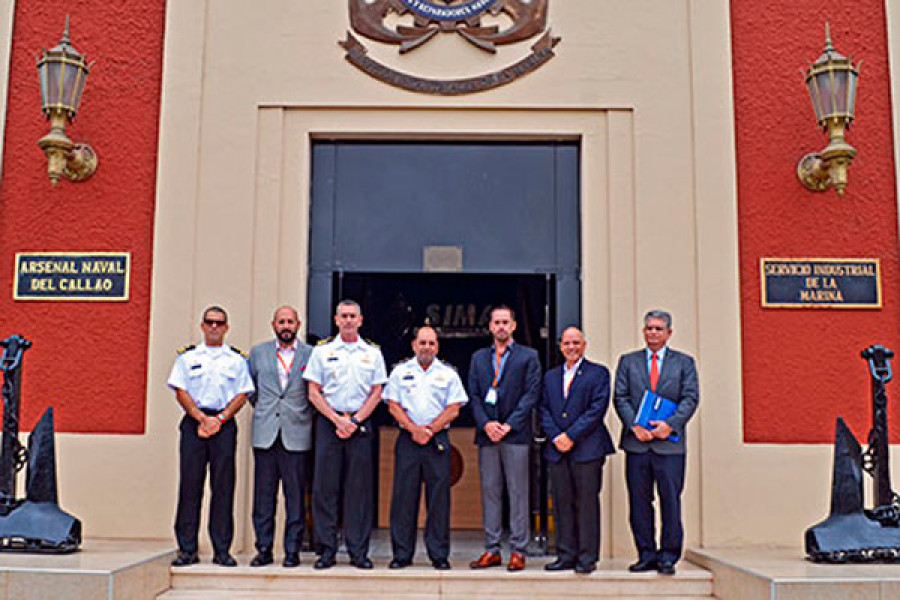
column 261, row 559
column 441, row 564
column 184, row 559
column 224, row 560
column 666, row 568
column 361, row 563
column 326, row 561
column 585, row 568
column 559, row 565
column 291, row 560
column 645, row 564
column 399, row 564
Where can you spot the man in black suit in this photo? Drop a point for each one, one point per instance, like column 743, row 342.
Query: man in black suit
column 656, row 456
column 504, row 386
column 573, row 406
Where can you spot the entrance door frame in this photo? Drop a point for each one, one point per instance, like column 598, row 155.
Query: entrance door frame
column 609, row 288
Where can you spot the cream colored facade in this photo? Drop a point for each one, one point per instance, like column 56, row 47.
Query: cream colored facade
column 644, row 85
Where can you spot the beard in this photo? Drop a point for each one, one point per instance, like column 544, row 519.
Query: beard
column 286, row 336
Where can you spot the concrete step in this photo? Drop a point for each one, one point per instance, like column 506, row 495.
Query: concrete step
column 253, row 595
column 418, row 582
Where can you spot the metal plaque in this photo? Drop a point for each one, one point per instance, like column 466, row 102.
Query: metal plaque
column 820, row 282
column 72, row 276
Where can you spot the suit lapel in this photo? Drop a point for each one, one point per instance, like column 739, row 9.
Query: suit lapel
column 643, row 369
column 667, row 367
column 276, row 367
column 575, row 380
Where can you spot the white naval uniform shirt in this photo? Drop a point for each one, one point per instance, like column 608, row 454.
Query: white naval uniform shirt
column 213, row 376
column 424, row 394
column 346, row 371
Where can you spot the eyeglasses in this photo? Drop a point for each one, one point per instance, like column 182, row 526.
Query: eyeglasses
column 216, row 322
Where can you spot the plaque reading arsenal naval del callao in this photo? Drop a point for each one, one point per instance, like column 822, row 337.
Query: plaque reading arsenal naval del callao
column 55, row 276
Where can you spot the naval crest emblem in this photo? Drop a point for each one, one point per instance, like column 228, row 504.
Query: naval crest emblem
column 522, row 20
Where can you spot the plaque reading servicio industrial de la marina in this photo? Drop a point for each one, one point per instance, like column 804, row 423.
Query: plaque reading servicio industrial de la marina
column 820, row 282
column 72, row 276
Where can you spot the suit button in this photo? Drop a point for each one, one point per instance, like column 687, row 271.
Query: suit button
column 565, row 415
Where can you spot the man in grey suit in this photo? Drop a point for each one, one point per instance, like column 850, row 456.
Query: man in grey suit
column 656, row 457
column 281, row 436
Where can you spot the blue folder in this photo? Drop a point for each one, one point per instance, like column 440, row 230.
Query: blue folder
column 655, row 408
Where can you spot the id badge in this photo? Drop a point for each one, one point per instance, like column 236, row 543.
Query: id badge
column 491, row 397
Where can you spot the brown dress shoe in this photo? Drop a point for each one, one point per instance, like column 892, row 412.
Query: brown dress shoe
column 488, row 559
column 516, row 562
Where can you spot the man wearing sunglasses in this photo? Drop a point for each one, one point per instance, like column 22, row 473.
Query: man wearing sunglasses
column 211, row 382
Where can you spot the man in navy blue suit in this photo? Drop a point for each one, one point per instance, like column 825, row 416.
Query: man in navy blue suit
column 504, row 387
column 573, row 407
column 656, row 457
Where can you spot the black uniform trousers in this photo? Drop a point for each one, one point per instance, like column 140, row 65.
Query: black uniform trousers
column 413, row 464
column 271, row 466
column 643, row 470
column 196, row 454
column 576, row 496
column 343, row 486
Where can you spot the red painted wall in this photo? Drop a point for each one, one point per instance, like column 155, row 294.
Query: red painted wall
column 801, row 368
column 89, row 359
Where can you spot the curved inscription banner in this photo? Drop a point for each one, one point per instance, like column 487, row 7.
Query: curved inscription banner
column 443, row 12
column 368, row 19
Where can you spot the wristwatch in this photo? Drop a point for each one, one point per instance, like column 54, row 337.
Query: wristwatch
column 354, row 420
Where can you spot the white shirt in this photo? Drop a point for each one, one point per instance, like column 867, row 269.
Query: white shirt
column 569, row 375
column 660, row 356
column 212, row 375
column 346, row 371
column 285, row 359
column 424, row 394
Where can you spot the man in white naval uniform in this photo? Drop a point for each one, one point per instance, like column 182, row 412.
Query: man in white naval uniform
column 424, row 395
column 211, row 382
column 345, row 378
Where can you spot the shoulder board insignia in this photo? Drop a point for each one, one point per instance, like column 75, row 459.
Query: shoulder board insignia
column 400, row 362
column 324, row 341
column 371, row 343
column 449, row 366
column 239, row 351
column 184, row 349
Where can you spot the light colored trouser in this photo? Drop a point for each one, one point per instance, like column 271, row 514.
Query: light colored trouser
column 498, row 464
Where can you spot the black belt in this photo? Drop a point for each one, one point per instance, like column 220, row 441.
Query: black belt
column 210, row 411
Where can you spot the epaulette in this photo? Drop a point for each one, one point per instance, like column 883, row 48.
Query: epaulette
column 400, row 362
column 449, row 366
column 371, row 343
column 239, row 351
column 184, row 349
column 324, row 341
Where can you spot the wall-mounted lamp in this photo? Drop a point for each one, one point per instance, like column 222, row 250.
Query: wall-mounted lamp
column 63, row 73
column 831, row 82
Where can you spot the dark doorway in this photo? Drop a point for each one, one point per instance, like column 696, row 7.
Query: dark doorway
column 506, row 213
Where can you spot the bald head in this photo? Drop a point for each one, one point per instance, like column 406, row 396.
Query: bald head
column 285, row 324
column 572, row 344
column 425, row 345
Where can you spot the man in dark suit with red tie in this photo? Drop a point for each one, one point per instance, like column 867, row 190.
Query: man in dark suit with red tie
column 573, row 407
column 656, row 457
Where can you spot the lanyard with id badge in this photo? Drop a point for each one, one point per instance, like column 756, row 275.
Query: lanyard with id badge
column 491, row 397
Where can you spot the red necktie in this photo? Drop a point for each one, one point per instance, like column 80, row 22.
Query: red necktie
column 654, row 372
